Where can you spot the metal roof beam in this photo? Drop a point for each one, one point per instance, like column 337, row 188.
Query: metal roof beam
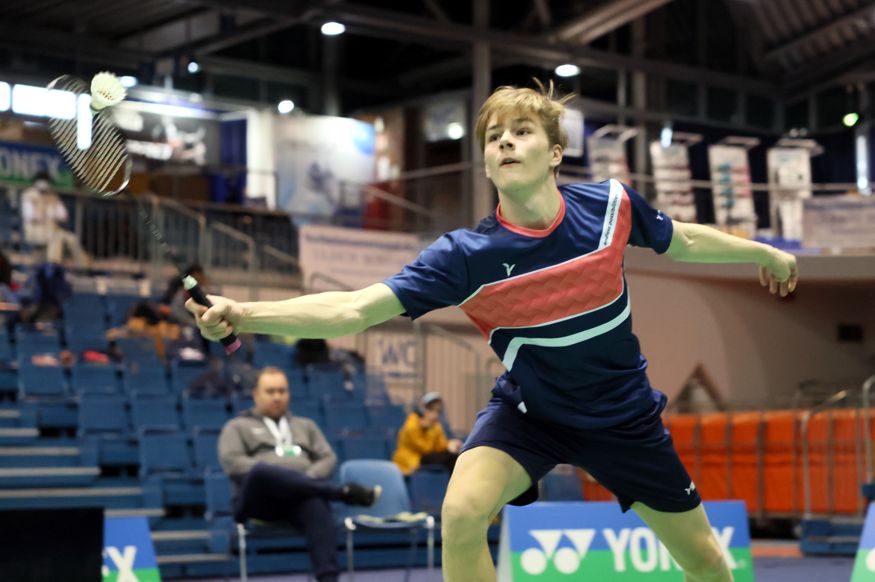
column 603, row 19
column 786, row 50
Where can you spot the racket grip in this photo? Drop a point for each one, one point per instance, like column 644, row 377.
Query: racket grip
column 231, row 342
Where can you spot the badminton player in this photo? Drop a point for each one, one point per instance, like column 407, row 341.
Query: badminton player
column 542, row 278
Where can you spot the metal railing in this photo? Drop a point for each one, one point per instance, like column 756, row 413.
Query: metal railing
column 867, row 426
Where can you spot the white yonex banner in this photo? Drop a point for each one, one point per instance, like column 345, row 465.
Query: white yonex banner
column 733, row 197
column 671, row 171
column 790, row 182
column 345, row 258
column 561, row 542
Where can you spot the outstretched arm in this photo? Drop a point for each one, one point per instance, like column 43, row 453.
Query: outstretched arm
column 696, row 243
column 320, row 315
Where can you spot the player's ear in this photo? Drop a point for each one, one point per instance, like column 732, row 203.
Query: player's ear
column 556, row 155
column 486, row 168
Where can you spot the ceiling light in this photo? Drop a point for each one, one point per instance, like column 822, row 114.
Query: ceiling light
column 567, row 70
column 285, row 106
column 333, row 28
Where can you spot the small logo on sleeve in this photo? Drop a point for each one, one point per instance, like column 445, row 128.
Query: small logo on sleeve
column 690, row 489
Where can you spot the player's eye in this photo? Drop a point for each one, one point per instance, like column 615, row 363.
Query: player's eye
column 522, row 131
column 493, row 137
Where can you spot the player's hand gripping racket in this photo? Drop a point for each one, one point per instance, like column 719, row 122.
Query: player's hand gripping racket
column 95, row 150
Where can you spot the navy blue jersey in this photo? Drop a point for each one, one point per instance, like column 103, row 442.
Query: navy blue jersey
column 552, row 303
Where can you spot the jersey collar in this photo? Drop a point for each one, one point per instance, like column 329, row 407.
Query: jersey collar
column 533, row 232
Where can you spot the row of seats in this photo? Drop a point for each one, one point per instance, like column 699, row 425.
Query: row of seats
column 120, row 413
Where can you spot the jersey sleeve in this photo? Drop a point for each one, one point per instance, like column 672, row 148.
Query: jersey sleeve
column 437, row 278
column 650, row 227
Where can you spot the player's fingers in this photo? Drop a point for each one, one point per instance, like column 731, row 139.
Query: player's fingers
column 215, row 313
column 196, row 308
column 773, row 285
column 764, row 277
column 794, row 277
column 784, row 288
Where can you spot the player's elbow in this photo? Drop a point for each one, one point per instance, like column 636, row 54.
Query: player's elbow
column 682, row 241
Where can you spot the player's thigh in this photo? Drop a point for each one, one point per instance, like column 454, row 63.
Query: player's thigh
column 483, row 481
column 686, row 534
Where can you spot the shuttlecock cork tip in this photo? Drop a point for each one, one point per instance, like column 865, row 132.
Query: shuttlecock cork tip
column 106, row 91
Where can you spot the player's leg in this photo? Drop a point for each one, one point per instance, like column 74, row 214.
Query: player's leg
column 484, row 480
column 690, row 540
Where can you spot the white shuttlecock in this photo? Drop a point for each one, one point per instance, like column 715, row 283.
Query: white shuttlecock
column 106, row 91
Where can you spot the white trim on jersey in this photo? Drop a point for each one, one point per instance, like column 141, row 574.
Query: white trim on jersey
column 562, row 342
column 612, row 214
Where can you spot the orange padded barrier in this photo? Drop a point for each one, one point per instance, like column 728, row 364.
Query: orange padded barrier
column 745, row 480
column 713, row 484
column 782, row 487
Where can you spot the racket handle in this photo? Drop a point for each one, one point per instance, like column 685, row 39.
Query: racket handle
column 231, row 343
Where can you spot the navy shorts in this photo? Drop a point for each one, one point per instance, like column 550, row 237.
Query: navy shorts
column 636, row 461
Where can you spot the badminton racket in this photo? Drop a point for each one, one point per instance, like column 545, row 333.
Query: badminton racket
column 95, row 150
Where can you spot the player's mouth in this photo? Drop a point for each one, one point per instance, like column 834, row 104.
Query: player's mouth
column 508, row 162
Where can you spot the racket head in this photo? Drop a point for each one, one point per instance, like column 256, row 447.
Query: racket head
column 104, row 166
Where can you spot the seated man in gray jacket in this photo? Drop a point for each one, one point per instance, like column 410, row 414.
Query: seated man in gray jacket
column 279, row 465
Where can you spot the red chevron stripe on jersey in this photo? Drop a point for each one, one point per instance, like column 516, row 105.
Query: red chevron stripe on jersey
column 552, row 293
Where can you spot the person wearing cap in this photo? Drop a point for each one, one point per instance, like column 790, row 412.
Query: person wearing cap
column 422, row 441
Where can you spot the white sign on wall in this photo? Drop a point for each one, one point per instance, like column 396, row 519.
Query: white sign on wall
column 790, row 179
column 345, row 258
column 671, row 172
column 733, row 197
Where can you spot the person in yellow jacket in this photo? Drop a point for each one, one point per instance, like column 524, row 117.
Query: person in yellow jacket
column 421, row 441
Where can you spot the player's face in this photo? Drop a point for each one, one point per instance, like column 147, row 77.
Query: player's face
column 518, row 154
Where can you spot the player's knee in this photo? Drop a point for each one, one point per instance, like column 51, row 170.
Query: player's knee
column 707, row 564
column 464, row 519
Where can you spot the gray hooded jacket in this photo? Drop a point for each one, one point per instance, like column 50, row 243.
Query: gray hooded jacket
column 246, row 440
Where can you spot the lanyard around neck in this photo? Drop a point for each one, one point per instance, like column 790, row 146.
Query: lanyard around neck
column 282, row 434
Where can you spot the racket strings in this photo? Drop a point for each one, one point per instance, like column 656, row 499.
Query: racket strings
column 97, row 166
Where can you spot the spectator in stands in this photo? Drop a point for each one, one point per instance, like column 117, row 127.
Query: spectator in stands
column 44, row 215
column 422, row 441
column 280, row 464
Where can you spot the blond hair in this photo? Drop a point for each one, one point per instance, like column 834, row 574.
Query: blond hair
column 545, row 103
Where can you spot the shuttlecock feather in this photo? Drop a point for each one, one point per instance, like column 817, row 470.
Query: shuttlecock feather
column 106, row 91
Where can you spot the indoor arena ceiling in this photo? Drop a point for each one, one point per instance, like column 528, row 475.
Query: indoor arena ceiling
column 419, row 47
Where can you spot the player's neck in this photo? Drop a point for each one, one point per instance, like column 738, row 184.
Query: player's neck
column 535, row 210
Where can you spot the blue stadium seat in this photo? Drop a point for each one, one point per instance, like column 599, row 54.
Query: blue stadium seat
column 163, row 452
column 139, row 349
column 145, row 378
column 298, row 385
column 101, row 378
column 326, row 380
column 206, row 449
column 218, row 495
column 343, row 418
column 118, row 307
column 389, row 416
column 427, row 489
column 204, row 413
column 40, row 381
column 308, row 409
column 103, row 413
column 85, row 308
column 154, row 411
column 363, row 447
column 30, row 340
column 89, row 335
column 271, row 354
column 182, row 375
column 241, row 402
column 5, row 346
